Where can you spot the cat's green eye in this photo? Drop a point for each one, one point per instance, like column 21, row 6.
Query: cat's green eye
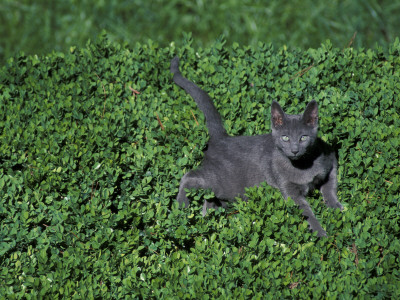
column 304, row 138
column 285, row 138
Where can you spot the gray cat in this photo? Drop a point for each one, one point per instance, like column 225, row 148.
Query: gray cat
column 291, row 158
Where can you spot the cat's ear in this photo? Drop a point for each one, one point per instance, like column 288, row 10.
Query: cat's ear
column 277, row 114
column 310, row 115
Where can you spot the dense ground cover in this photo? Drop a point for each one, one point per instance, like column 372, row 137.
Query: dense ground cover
column 94, row 142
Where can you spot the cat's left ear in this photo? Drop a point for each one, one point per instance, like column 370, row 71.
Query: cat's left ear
column 310, row 115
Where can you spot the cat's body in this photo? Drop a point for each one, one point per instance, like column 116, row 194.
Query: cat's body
column 291, row 158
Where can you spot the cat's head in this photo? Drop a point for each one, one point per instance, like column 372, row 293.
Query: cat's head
column 294, row 134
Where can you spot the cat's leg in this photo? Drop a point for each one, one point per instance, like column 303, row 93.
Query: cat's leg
column 329, row 191
column 191, row 180
column 212, row 204
column 207, row 205
column 298, row 193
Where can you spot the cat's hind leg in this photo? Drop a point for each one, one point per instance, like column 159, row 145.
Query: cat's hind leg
column 206, row 206
column 191, row 180
column 216, row 203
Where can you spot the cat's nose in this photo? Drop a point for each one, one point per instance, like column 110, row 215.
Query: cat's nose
column 295, row 151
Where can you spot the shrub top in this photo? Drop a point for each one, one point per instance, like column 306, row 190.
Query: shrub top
column 93, row 144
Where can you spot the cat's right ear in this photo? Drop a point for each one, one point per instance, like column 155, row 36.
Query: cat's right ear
column 277, row 114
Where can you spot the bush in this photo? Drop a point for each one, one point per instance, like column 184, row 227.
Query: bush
column 94, row 142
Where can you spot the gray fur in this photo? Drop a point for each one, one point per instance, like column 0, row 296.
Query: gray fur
column 292, row 158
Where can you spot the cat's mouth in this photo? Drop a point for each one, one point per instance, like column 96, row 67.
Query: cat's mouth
column 294, row 156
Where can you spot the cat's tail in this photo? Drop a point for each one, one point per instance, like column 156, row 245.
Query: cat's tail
column 213, row 118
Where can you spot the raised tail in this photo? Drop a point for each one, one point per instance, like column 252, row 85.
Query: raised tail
column 213, row 118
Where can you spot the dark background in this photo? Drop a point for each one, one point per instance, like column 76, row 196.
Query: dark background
column 41, row 26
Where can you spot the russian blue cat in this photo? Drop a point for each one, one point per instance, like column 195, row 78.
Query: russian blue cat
column 291, row 158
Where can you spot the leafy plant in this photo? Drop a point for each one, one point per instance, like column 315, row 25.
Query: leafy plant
column 93, row 144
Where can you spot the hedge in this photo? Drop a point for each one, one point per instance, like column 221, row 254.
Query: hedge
column 94, row 142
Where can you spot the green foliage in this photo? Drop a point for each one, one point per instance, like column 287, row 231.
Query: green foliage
column 94, row 142
column 305, row 23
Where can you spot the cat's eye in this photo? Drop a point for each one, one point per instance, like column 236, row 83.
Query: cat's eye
column 304, row 138
column 285, row 138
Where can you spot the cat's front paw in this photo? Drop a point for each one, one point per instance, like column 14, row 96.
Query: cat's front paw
column 335, row 204
column 315, row 226
column 320, row 232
